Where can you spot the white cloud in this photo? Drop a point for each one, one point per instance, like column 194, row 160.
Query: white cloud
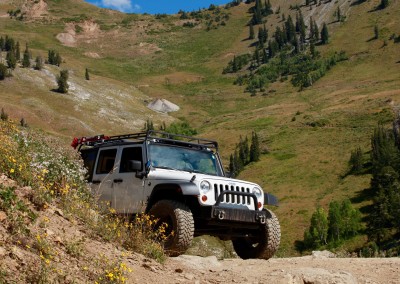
column 136, row 8
column 120, row 5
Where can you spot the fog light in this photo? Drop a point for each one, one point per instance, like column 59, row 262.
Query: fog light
column 259, row 204
column 204, row 198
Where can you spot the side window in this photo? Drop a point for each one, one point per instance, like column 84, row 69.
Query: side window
column 89, row 158
column 128, row 154
column 106, row 161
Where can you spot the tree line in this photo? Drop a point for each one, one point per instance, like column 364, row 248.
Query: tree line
column 244, row 154
column 290, row 50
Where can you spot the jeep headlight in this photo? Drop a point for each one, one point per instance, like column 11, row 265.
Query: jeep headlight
column 205, row 186
column 257, row 192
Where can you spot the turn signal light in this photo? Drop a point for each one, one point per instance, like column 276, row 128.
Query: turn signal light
column 259, row 204
column 204, row 198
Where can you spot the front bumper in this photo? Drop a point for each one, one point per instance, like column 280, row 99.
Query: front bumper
column 221, row 213
column 238, row 215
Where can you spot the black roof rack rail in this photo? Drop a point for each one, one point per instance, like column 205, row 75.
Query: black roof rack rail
column 142, row 136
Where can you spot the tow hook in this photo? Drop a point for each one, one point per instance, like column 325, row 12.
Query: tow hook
column 221, row 215
column 262, row 219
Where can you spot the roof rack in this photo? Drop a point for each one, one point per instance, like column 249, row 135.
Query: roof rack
column 141, row 136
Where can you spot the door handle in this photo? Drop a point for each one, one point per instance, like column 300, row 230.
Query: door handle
column 119, row 180
column 96, row 181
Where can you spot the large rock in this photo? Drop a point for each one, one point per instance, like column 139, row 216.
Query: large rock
column 162, row 105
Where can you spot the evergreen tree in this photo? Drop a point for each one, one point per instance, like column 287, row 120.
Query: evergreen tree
column 324, row 34
column 257, row 56
column 254, row 148
column 384, row 151
column 251, row 31
column 17, row 52
column 39, row 63
column 356, row 161
column 26, row 63
column 339, row 14
column 376, row 32
column 257, row 16
column 3, row 71
column 384, row 4
column 312, row 49
column 384, row 217
column 87, row 77
column 335, row 221
column 9, row 43
column 11, row 60
column 302, row 27
column 2, row 44
column 58, row 59
column 290, row 29
column 62, row 81
column 232, row 166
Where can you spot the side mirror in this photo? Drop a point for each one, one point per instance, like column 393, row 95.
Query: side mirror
column 135, row 165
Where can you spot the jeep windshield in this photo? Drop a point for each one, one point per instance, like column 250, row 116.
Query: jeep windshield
column 184, row 159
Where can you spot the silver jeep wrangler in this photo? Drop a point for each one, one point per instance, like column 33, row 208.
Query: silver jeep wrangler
column 180, row 181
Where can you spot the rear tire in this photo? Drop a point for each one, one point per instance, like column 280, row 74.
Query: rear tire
column 180, row 221
column 266, row 243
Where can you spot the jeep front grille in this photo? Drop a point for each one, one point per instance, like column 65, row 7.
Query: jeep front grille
column 231, row 198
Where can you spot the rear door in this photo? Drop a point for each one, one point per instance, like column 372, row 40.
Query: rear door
column 103, row 176
column 127, row 188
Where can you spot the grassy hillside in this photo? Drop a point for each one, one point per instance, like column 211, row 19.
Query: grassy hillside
column 144, row 57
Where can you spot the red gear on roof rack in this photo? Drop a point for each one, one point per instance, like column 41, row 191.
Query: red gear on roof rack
column 86, row 140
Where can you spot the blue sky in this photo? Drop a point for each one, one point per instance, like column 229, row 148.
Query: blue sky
column 154, row 7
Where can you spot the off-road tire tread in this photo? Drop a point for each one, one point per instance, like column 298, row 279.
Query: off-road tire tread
column 183, row 234
column 270, row 236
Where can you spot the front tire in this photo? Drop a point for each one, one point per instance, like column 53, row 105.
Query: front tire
column 179, row 219
column 264, row 245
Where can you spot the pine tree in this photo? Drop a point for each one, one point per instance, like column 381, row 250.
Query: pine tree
column 316, row 31
column 11, row 60
column 3, row 71
column 384, row 151
column 324, row 34
column 87, row 77
column 356, row 161
column 2, row 44
column 58, row 59
column 26, row 63
column 339, row 14
column 254, row 148
column 251, row 31
column 384, row 4
column 9, row 43
column 376, row 32
column 232, row 166
column 312, row 49
column 62, row 81
column 290, row 29
column 39, row 63
column 17, row 52
column 335, row 221
column 302, row 27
